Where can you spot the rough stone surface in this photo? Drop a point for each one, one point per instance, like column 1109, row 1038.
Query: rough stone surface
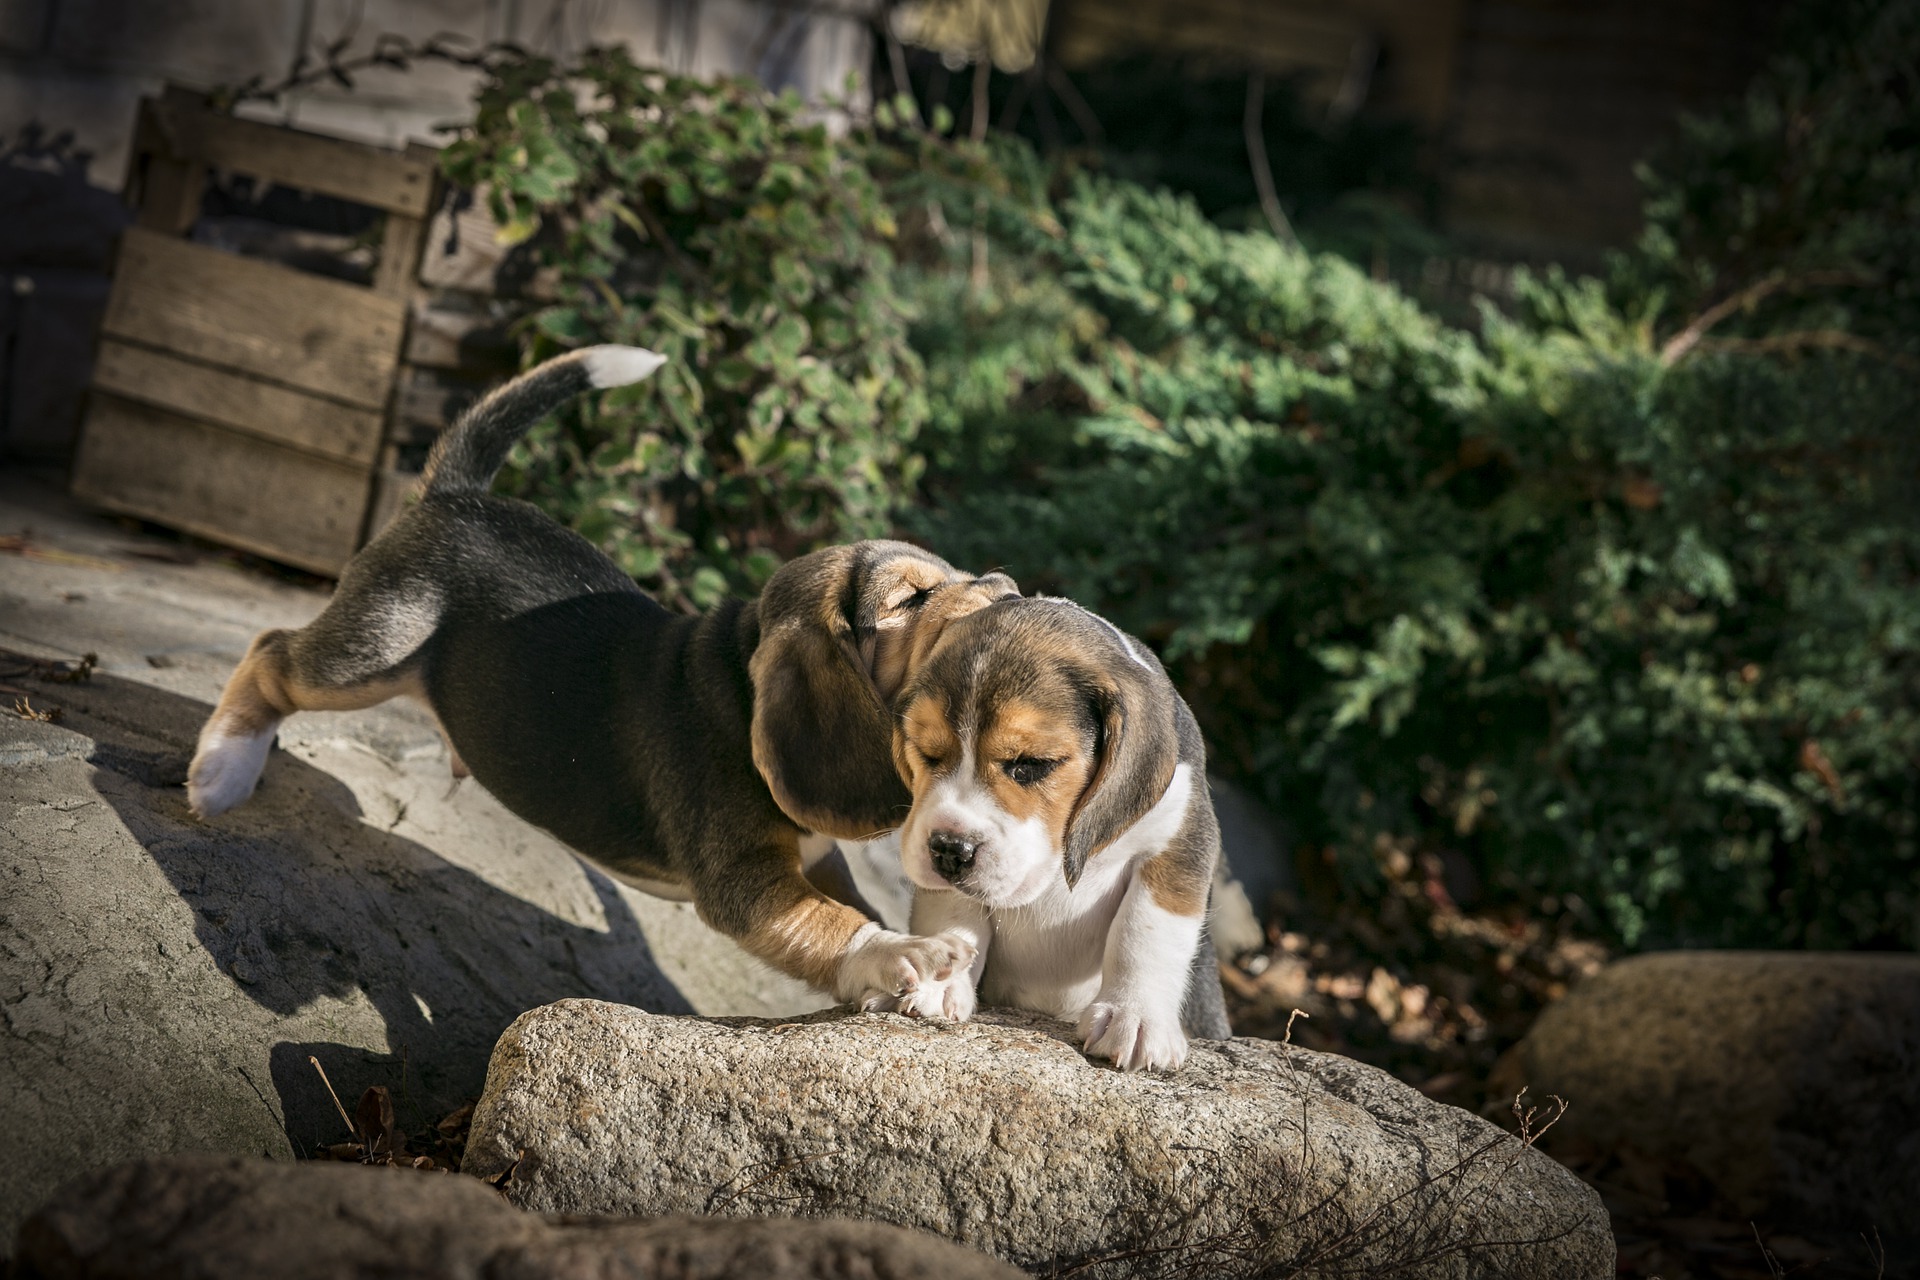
column 163, row 981
column 999, row 1134
column 1791, row 1080
column 226, row 1218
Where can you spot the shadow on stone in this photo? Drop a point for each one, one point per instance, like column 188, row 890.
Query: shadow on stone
column 296, row 897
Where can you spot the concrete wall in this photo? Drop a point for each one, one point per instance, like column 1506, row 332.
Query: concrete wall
column 83, row 64
column 80, row 67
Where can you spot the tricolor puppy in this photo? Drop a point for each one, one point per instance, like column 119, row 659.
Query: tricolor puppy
column 710, row 758
column 1061, row 827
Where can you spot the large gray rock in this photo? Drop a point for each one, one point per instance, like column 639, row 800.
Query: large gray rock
column 163, row 981
column 1791, row 1080
column 224, row 1218
column 997, row 1133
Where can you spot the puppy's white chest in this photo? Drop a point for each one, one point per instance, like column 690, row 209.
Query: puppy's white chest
column 1048, row 955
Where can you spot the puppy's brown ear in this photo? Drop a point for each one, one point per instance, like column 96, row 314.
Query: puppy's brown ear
column 822, row 738
column 1136, row 750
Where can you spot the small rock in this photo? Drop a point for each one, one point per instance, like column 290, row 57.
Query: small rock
column 1790, row 1080
column 233, row 1218
column 997, row 1133
column 1256, row 858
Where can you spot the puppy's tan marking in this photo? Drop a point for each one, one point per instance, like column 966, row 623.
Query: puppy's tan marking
column 1178, row 881
column 944, row 607
column 267, row 687
column 926, row 736
column 788, row 923
column 904, row 612
column 1023, row 730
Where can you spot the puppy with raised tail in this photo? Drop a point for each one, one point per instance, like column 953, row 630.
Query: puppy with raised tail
column 711, row 758
column 1061, row 825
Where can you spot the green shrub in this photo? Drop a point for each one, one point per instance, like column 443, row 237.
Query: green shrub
column 724, row 229
column 1645, row 635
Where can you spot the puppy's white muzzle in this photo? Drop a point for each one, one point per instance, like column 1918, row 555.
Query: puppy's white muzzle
column 958, row 837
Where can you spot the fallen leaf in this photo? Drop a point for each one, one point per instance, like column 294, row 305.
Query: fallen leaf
column 374, row 1121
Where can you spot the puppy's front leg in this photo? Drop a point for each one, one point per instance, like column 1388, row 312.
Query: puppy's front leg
column 769, row 908
column 1135, row 1020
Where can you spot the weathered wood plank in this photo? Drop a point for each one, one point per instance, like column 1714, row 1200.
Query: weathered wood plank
column 399, row 256
column 237, row 401
column 238, row 490
column 168, row 189
column 324, row 336
column 391, row 489
column 398, row 181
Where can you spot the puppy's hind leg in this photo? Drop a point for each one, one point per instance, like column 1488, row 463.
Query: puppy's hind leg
column 235, row 740
column 274, row 680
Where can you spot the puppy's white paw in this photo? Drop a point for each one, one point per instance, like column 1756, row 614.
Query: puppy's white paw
column 886, row 970
column 225, row 769
column 950, row 998
column 1134, row 1041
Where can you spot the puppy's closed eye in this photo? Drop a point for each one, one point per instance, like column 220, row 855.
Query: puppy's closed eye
column 908, row 599
column 1028, row 770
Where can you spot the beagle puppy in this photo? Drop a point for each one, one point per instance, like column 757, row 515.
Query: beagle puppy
column 711, row 758
column 1061, row 828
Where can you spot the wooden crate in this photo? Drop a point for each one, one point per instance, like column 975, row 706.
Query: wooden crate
column 242, row 400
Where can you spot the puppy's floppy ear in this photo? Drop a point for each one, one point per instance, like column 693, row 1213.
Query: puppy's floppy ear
column 1136, row 750
column 822, row 738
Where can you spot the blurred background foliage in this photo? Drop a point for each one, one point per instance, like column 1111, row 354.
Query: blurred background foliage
column 1610, row 595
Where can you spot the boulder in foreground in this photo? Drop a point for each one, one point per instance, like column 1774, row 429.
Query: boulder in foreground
column 233, row 1218
column 1255, row 1159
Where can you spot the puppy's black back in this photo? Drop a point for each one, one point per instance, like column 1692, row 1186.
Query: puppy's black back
column 542, row 650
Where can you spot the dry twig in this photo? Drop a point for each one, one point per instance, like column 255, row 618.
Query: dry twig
column 1746, row 299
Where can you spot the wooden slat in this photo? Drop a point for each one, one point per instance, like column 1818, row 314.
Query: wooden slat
column 238, row 490
column 233, row 400
column 399, row 256
column 334, row 339
column 391, row 488
column 398, row 181
column 169, row 189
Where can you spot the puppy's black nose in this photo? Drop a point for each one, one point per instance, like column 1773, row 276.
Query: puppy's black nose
column 952, row 853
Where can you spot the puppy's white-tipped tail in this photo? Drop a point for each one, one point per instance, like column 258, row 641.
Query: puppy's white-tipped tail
column 616, row 366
